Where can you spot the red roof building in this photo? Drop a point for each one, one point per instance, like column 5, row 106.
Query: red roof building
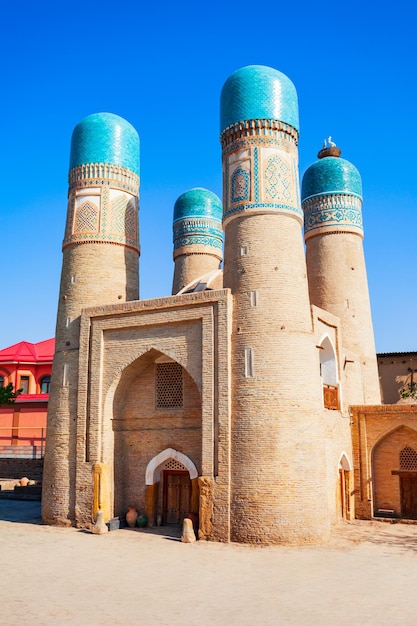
column 27, row 366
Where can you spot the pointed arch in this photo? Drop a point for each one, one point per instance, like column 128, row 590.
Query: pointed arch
column 344, row 462
column 152, row 474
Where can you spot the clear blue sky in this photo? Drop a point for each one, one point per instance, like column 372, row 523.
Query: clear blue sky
column 161, row 65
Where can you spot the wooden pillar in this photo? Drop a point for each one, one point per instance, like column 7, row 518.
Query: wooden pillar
column 102, row 490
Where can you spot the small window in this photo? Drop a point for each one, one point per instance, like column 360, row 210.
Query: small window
column 1, row 381
column 45, row 384
column 24, row 384
column 169, row 393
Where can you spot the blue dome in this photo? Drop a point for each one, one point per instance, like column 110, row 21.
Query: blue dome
column 105, row 138
column 258, row 92
column 198, row 202
column 331, row 175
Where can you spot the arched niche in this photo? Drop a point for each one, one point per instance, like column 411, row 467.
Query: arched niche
column 154, row 466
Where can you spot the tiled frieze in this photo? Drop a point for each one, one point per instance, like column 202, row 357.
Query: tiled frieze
column 342, row 212
column 103, row 211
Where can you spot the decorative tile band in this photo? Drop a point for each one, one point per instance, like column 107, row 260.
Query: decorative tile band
column 103, row 174
column 340, row 212
column 200, row 240
column 264, row 207
column 198, row 226
column 258, row 128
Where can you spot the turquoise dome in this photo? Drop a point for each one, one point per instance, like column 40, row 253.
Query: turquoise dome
column 198, row 202
column 258, row 92
column 105, row 138
column 331, row 175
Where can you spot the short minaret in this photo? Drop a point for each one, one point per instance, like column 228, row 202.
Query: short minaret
column 100, row 266
column 278, row 492
column 198, row 236
column 332, row 203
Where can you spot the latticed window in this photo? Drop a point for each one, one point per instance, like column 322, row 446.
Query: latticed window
column 408, row 459
column 169, row 386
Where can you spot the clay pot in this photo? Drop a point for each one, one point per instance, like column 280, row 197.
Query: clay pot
column 24, row 481
column 131, row 517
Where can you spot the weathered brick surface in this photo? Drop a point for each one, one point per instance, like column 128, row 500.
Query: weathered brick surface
column 18, row 468
column 189, row 267
column 338, row 284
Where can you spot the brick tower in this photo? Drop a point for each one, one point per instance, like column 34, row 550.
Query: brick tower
column 277, row 450
column 100, row 266
column 198, row 236
column 332, row 203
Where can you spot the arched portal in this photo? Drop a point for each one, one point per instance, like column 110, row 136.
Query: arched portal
column 157, row 430
column 394, row 469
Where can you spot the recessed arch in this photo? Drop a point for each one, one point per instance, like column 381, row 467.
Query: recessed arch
column 328, row 362
column 344, row 462
column 152, row 475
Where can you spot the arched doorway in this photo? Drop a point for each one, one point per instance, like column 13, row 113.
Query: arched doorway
column 394, row 464
column 172, row 488
column 344, row 490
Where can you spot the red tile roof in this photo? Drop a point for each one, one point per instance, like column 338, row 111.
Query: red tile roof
column 26, row 352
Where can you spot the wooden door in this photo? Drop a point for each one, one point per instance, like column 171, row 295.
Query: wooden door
column 177, row 493
column 408, row 486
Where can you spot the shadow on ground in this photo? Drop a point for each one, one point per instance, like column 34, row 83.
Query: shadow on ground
column 24, row 512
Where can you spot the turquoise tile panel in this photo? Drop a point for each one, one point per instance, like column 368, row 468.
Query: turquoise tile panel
column 198, row 202
column 105, row 138
column 331, row 175
column 258, row 92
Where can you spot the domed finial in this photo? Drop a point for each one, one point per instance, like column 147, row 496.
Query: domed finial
column 329, row 149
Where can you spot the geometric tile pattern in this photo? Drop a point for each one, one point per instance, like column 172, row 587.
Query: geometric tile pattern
column 277, row 180
column 240, row 185
column 123, row 217
column 87, row 218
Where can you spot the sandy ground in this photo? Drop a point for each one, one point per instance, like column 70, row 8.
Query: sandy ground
column 366, row 574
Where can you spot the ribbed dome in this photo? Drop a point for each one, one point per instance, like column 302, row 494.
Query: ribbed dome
column 258, row 92
column 331, row 175
column 105, row 138
column 198, row 202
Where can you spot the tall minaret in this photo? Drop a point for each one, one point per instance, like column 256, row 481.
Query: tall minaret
column 332, row 203
column 198, row 236
column 277, row 452
column 100, row 266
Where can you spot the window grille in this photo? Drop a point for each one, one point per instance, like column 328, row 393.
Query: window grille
column 172, row 464
column 408, row 459
column 169, row 393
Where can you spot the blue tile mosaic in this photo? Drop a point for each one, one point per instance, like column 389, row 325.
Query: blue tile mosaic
column 331, row 175
column 105, row 138
column 258, row 92
column 198, row 202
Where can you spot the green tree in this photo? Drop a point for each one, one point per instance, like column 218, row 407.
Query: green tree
column 7, row 395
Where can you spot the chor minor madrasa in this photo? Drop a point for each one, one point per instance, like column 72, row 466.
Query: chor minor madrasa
column 249, row 399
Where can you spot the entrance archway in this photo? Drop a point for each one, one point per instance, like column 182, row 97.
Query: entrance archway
column 171, row 488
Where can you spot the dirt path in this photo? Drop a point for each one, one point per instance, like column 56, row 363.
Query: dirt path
column 366, row 575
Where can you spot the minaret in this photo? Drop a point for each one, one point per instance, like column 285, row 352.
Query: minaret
column 198, row 236
column 100, row 266
column 332, row 203
column 277, row 451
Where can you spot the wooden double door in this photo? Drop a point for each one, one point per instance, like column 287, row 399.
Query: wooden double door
column 176, row 496
column 408, row 490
